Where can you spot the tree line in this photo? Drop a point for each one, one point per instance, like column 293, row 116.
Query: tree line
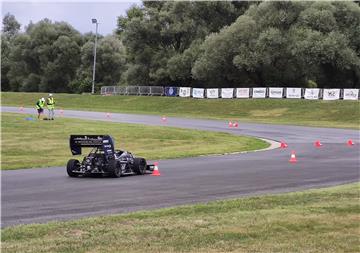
column 202, row 44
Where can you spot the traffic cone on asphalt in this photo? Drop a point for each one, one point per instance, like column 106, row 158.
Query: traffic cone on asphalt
column 156, row 171
column 317, row 144
column 293, row 157
column 235, row 124
column 350, row 143
column 283, row 145
column 61, row 112
column 164, row 119
column 108, row 115
column 230, row 124
column 21, row 109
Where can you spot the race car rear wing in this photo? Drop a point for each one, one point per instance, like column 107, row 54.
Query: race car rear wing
column 103, row 142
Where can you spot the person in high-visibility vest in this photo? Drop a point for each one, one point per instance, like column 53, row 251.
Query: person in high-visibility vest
column 40, row 106
column 51, row 106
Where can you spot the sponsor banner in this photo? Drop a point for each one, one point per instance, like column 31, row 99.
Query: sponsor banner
column 331, row 94
column 312, row 93
column 227, row 93
column 351, row 94
column 293, row 92
column 184, row 92
column 259, row 93
column 171, row 91
column 243, row 92
column 198, row 93
column 276, row 92
column 212, row 93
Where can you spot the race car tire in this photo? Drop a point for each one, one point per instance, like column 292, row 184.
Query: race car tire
column 72, row 165
column 139, row 166
column 115, row 168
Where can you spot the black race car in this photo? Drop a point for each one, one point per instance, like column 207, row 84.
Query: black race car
column 103, row 159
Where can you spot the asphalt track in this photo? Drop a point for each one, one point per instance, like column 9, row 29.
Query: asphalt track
column 46, row 194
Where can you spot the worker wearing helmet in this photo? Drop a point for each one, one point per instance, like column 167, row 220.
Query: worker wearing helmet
column 51, row 106
column 40, row 106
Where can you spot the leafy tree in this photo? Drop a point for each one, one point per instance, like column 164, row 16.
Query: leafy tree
column 286, row 43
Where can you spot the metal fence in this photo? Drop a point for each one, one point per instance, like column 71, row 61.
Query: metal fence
column 225, row 93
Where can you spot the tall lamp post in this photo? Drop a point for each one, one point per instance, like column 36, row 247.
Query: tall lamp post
column 94, row 21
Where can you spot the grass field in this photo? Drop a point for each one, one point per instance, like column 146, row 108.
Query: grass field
column 41, row 143
column 324, row 220
column 342, row 114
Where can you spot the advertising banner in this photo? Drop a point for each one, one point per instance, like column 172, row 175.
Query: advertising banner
column 243, row 92
column 275, row 92
column 212, row 93
column 171, row 91
column 184, row 92
column 351, row 94
column 293, row 92
column 198, row 93
column 259, row 93
column 331, row 94
column 312, row 93
column 227, row 93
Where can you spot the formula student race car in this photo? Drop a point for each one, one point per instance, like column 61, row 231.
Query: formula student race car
column 103, row 159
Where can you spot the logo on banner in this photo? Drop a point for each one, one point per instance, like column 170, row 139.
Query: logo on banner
column 331, row 93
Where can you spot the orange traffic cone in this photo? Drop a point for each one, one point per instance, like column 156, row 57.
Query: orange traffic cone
column 21, row 109
column 61, row 112
column 317, row 144
column 235, row 124
column 293, row 157
column 230, row 124
column 350, row 143
column 108, row 115
column 163, row 119
column 283, row 145
column 156, row 171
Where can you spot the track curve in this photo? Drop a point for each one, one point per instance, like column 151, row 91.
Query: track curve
column 41, row 195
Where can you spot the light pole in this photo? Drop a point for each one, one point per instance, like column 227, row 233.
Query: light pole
column 94, row 21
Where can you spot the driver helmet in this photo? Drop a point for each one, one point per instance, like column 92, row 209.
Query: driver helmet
column 50, row 95
column 43, row 99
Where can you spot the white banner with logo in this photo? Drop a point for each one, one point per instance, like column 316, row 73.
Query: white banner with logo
column 227, row 93
column 293, row 92
column 312, row 93
column 275, row 92
column 198, row 93
column 331, row 94
column 243, row 92
column 184, row 92
column 351, row 94
column 212, row 93
column 259, row 92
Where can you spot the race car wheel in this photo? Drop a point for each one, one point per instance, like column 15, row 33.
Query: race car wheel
column 72, row 165
column 115, row 168
column 139, row 166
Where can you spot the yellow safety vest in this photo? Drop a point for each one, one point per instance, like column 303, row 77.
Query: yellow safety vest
column 50, row 103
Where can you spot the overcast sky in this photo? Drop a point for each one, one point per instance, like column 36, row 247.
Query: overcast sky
column 77, row 13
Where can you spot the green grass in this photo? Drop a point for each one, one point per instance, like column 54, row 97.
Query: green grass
column 341, row 114
column 323, row 220
column 42, row 143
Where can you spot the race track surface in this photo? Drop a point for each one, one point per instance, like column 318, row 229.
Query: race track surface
column 46, row 194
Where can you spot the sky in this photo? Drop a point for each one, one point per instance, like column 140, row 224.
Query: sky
column 77, row 13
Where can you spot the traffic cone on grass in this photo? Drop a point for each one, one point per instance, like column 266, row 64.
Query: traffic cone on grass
column 156, row 171
column 317, row 144
column 293, row 157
